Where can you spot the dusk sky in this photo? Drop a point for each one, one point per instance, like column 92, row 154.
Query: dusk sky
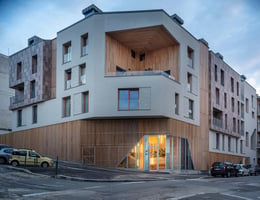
column 231, row 27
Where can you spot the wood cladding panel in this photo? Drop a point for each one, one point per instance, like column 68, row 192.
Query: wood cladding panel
column 166, row 58
column 60, row 140
column 218, row 157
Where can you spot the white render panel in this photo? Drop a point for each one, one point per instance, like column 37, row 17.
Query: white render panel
column 145, row 98
column 77, row 104
column 103, row 90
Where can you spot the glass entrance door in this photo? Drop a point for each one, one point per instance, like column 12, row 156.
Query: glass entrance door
column 157, row 146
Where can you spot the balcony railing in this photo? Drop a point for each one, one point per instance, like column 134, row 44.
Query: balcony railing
column 83, row 79
column 68, row 84
column 140, row 73
column 190, row 62
column 217, row 122
column 67, row 57
column 16, row 99
column 84, row 50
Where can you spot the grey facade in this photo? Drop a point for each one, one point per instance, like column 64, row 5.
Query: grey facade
column 5, row 94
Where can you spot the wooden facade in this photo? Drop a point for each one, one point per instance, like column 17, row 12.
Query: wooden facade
column 164, row 58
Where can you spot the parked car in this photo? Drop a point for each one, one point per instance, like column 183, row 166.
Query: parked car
column 253, row 169
column 242, row 170
column 5, row 154
column 29, row 157
column 4, row 146
column 224, row 169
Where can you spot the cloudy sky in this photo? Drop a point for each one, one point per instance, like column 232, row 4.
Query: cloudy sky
column 231, row 27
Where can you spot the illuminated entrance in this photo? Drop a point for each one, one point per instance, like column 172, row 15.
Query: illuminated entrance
column 159, row 152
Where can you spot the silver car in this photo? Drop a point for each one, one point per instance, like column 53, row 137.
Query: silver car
column 242, row 170
column 5, row 154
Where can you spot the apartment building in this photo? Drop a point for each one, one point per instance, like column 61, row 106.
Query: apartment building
column 5, row 94
column 232, row 134
column 32, row 72
column 258, row 130
column 130, row 91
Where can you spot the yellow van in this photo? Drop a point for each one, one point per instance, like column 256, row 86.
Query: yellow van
column 30, row 158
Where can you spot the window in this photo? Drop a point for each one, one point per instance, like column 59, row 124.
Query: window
column 66, row 107
column 238, row 126
column 237, row 88
column 233, row 104
column 242, row 110
column 34, row 114
column 229, row 143
column 242, row 128
column 176, row 103
column 82, row 74
column 217, row 96
column 241, row 146
column 190, row 54
column 85, row 102
column 238, row 108
column 84, row 44
column 67, row 52
column 216, row 73
column 222, row 77
column 247, row 138
column 19, row 71
column 68, row 79
column 189, row 82
column 128, row 99
column 232, row 84
column 253, row 114
column 247, row 105
column 252, row 101
column 225, row 100
column 223, row 142
column 32, row 89
column 225, row 121
column 217, row 140
column 234, row 124
column 142, row 57
column 236, row 145
column 191, row 109
column 19, row 118
column 34, row 64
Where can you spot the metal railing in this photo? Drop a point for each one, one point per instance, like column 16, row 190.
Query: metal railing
column 140, row 73
column 217, row 122
column 67, row 57
column 16, row 99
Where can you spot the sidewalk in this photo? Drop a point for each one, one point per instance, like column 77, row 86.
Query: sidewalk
column 80, row 172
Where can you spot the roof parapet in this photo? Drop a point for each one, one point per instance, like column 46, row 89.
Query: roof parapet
column 177, row 19
column 203, row 41
column 91, row 10
column 34, row 40
column 219, row 55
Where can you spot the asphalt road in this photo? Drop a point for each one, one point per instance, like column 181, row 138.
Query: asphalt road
column 20, row 185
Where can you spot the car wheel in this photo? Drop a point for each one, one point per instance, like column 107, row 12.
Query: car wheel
column 14, row 163
column 45, row 165
column 2, row 161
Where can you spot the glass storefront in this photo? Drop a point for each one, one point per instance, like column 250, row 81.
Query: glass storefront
column 159, row 152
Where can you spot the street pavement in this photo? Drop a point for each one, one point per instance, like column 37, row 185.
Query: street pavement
column 80, row 172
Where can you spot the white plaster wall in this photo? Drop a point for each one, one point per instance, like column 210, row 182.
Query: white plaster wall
column 103, row 91
column 250, row 122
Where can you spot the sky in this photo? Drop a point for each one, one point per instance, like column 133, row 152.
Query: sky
column 231, row 27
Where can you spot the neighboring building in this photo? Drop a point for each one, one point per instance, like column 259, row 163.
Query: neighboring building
column 5, row 94
column 258, row 130
column 32, row 72
column 232, row 102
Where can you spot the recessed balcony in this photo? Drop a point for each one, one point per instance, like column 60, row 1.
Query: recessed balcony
column 142, row 51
